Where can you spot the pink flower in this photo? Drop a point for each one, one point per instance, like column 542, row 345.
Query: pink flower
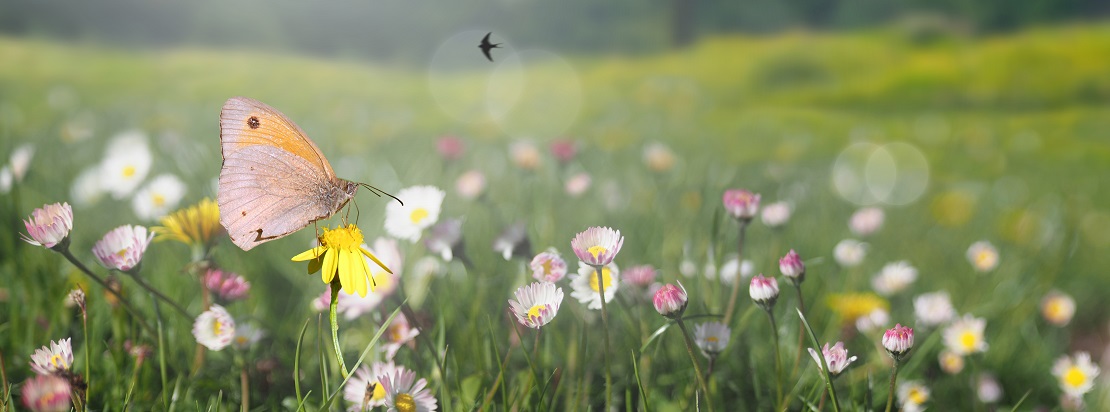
column 57, row 358
column 123, row 247
column 837, row 357
column 46, row 393
column 898, row 341
column 642, row 275
column 548, row 267
column 792, row 267
column 741, row 204
column 764, row 291
column 450, row 147
column 536, row 304
column 471, row 184
column 399, row 333
column 214, row 328
column 670, row 300
column 578, row 184
column 49, row 225
column 597, row 246
column 227, row 286
column 403, row 392
column 564, row 150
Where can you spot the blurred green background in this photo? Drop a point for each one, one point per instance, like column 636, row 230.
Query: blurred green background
column 1006, row 102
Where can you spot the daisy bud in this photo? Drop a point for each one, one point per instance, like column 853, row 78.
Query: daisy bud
column 764, row 291
column 792, row 267
column 741, row 204
column 898, row 341
column 49, row 226
column 670, row 300
column 548, row 266
column 564, row 150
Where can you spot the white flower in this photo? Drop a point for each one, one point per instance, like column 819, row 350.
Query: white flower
column 965, row 335
column 421, row 210
column 988, row 388
column 403, row 393
column 894, row 278
column 866, row 221
column 56, row 358
column 246, row 336
column 836, row 357
column 933, row 309
column 658, row 157
column 5, row 179
column 849, row 252
column 578, row 184
column 87, row 187
column 524, row 155
column 712, row 337
column 471, row 184
column 215, row 329
column 536, row 304
column 1075, row 374
column 364, row 391
column 775, row 214
column 876, row 319
column 732, row 267
column 983, row 256
column 912, row 395
column 21, row 161
column 125, row 165
column 123, row 247
column 399, row 333
column 585, row 284
column 160, row 196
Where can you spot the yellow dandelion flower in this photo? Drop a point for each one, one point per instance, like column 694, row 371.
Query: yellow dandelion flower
column 851, row 306
column 341, row 252
column 198, row 224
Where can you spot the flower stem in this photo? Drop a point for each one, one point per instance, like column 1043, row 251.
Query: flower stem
column 778, row 360
column 335, row 327
column 893, row 380
column 126, row 303
column 801, row 327
column 244, row 384
column 598, row 270
column 88, row 359
column 736, row 282
column 694, row 359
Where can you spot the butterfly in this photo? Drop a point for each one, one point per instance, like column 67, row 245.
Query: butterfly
column 274, row 181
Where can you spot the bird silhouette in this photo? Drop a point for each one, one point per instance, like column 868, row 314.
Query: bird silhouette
column 486, row 46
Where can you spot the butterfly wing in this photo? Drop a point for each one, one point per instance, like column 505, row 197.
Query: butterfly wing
column 274, row 181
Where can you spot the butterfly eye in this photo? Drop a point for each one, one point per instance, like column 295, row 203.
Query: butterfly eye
column 253, row 122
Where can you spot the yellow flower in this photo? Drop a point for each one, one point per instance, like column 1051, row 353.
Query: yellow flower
column 851, row 306
column 195, row 225
column 341, row 252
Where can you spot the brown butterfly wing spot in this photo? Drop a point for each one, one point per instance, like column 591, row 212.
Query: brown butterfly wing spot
column 253, row 122
column 247, row 122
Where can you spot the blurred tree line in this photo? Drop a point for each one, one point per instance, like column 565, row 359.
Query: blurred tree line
column 410, row 29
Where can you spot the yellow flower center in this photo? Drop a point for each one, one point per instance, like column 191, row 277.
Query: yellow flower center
column 418, row 215
column 984, row 259
column 216, row 327
column 128, row 171
column 1074, row 377
column 56, row 360
column 596, row 250
column 712, row 339
column 1055, row 310
column 606, row 278
column 536, row 311
column 547, row 267
column 395, row 333
column 968, row 340
column 917, row 396
column 342, row 237
column 158, row 200
column 241, row 340
column 122, row 252
column 404, row 403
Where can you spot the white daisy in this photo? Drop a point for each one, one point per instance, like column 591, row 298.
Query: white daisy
column 913, row 395
column 404, row 393
column 933, row 309
column 215, row 329
column 126, row 163
column 247, row 335
column 536, row 304
column 895, row 277
column 983, row 256
column 87, row 187
column 849, row 252
column 56, row 358
column 21, row 161
column 399, row 333
column 421, row 210
column 965, row 335
column 364, row 391
column 160, row 196
column 1076, row 374
column 585, row 284
column 712, row 337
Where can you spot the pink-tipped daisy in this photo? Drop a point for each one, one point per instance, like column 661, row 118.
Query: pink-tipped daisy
column 404, row 393
column 215, row 329
column 123, row 248
column 364, row 391
column 597, row 246
column 536, row 304
column 56, row 358
column 548, row 266
column 49, row 225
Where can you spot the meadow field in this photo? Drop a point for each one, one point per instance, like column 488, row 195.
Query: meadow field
column 954, row 140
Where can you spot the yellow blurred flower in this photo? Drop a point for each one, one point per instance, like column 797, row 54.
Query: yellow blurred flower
column 851, row 306
column 340, row 252
column 198, row 224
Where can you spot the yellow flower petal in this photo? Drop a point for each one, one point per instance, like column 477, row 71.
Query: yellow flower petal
column 369, row 276
column 310, row 254
column 375, row 259
column 331, row 264
column 345, row 271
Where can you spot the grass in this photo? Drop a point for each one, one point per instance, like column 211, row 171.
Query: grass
column 1013, row 129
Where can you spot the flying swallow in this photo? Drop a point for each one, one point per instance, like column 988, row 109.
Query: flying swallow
column 486, row 46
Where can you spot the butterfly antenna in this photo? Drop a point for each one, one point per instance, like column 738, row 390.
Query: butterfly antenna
column 380, row 192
